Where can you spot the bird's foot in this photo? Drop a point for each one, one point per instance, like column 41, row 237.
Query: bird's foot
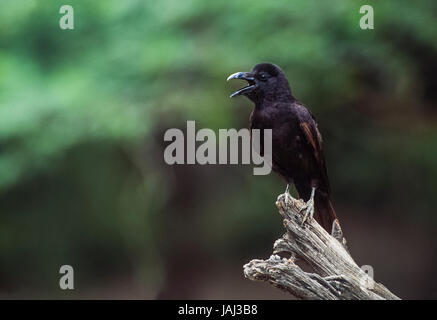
column 288, row 197
column 309, row 211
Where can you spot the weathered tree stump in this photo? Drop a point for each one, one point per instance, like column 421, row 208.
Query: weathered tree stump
column 335, row 275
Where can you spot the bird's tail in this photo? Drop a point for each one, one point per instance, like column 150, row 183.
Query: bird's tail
column 324, row 212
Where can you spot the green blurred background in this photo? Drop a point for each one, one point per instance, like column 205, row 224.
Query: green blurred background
column 82, row 118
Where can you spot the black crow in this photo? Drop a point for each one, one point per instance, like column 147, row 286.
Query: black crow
column 296, row 142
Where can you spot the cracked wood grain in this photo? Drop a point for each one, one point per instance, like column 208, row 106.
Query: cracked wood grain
column 335, row 274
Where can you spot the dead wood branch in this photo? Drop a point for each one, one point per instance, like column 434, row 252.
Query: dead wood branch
column 336, row 275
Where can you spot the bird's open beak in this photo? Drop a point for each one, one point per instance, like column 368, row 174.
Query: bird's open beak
column 243, row 76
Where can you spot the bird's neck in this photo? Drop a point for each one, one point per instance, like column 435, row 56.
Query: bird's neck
column 266, row 100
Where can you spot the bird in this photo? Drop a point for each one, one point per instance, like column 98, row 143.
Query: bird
column 297, row 153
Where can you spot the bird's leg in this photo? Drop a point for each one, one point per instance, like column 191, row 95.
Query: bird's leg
column 309, row 212
column 287, row 194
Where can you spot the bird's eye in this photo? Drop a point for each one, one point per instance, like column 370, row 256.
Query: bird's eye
column 263, row 76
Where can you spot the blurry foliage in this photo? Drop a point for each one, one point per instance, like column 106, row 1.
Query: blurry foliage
column 79, row 112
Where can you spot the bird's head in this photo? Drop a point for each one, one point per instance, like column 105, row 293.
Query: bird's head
column 266, row 81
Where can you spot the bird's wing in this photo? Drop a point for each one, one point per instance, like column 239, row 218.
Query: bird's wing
column 314, row 139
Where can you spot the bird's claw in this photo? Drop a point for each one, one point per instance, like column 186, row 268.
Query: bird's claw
column 288, row 197
column 309, row 211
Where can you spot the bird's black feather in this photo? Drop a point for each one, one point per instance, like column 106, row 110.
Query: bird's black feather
column 297, row 153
